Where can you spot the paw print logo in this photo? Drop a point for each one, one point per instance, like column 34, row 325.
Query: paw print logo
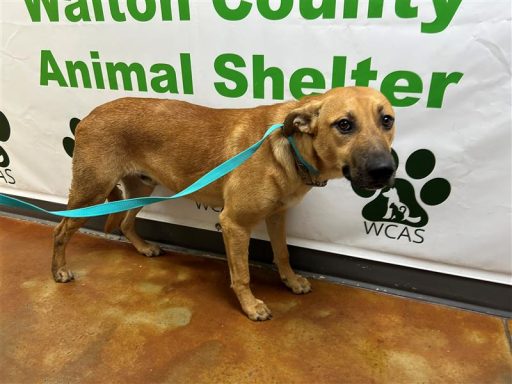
column 69, row 142
column 398, row 204
column 5, row 133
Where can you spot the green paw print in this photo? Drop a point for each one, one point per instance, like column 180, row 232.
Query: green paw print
column 69, row 142
column 5, row 133
column 398, row 204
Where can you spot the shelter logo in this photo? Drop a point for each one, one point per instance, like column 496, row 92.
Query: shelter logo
column 69, row 142
column 398, row 205
column 5, row 132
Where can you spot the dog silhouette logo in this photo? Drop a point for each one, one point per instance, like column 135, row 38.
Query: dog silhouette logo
column 398, row 204
column 398, row 211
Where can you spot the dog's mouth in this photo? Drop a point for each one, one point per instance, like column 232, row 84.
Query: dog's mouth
column 375, row 187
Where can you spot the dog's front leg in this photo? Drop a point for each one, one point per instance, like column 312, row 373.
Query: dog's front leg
column 276, row 227
column 236, row 240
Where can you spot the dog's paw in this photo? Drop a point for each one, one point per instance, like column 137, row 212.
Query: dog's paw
column 63, row 275
column 258, row 311
column 150, row 250
column 298, row 284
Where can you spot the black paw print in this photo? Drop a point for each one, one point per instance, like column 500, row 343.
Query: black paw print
column 69, row 142
column 398, row 204
column 5, row 133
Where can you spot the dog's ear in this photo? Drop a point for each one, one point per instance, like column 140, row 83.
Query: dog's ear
column 303, row 119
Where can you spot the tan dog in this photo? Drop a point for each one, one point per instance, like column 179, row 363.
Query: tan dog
column 143, row 142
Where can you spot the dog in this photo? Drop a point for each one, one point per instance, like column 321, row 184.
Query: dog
column 141, row 142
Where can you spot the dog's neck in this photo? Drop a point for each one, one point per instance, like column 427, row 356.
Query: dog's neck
column 301, row 154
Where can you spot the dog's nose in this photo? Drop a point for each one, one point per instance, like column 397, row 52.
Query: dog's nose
column 381, row 168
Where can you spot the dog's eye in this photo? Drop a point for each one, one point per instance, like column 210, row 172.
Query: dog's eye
column 387, row 121
column 344, row 126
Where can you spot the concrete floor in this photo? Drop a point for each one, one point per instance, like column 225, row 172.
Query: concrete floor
column 174, row 319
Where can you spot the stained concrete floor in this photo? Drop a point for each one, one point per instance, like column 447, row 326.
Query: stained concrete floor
column 174, row 319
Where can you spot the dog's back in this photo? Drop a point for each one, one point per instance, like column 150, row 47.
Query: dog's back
column 125, row 132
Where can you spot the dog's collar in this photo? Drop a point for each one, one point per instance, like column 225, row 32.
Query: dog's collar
column 307, row 172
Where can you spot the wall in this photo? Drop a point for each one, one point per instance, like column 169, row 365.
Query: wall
column 444, row 64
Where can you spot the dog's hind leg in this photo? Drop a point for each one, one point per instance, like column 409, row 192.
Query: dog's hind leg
column 114, row 219
column 135, row 186
column 61, row 236
column 276, row 231
column 82, row 194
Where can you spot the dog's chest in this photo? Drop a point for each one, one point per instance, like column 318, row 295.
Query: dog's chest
column 294, row 198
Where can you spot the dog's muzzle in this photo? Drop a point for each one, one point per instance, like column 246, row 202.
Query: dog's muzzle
column 376, row 172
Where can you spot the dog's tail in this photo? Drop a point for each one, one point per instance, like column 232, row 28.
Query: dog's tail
column 114, row 220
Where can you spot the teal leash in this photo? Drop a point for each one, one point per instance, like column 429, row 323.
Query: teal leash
column 125, row 205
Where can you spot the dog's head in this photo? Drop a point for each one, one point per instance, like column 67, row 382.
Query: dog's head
column 351, row 131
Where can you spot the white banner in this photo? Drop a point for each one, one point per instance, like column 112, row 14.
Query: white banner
column 444, row 64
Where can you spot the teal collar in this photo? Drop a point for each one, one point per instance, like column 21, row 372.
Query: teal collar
column 307, row 171
column 300, row 160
